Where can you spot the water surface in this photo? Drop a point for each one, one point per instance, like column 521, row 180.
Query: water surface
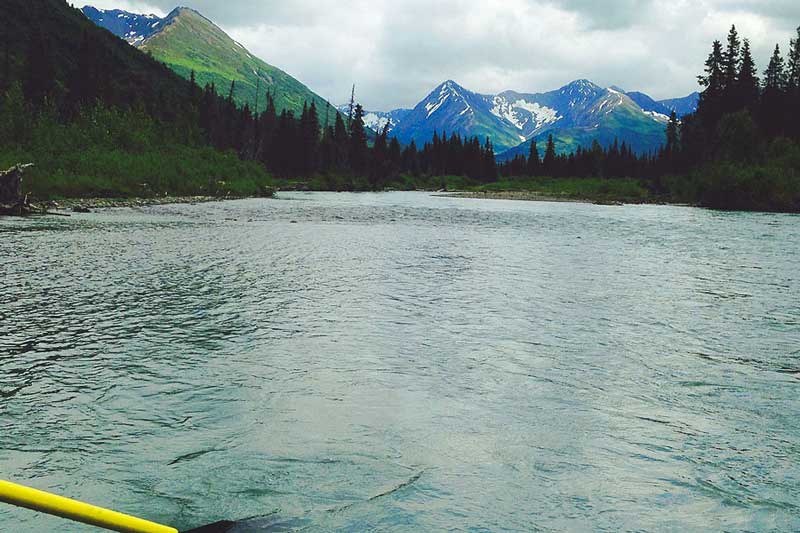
column 405, row 362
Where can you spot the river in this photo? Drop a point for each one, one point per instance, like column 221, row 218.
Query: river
column 405, row 362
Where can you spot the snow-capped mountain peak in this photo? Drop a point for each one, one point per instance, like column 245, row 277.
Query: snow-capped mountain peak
column 448, row 92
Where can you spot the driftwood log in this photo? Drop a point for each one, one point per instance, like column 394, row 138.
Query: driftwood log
column 12, row 201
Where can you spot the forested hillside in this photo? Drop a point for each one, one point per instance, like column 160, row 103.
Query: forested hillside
column 98, row 117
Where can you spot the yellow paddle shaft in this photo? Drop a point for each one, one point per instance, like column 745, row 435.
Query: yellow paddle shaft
column 74, row 510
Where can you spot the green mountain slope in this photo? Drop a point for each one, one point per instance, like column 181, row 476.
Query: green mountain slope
column 188, row 41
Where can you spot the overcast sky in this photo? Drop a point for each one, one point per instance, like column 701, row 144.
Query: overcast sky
column 397, row 51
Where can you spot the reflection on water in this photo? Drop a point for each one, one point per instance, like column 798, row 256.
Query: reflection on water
column 404, row 362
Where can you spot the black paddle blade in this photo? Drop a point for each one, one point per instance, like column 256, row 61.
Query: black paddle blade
column 217, row 527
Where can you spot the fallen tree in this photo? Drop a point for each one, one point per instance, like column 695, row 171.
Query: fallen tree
column 12, row 201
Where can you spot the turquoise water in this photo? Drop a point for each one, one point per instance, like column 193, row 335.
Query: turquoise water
column 405, row 362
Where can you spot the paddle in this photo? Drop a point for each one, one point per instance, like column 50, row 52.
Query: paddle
column 45, row 502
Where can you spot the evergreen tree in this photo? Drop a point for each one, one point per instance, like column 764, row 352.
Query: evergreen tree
column 534, row 163
column 327, row 151
column 549, row 161
column 358, row 141
column 268, row 125
column 673, row 140
column 489, row 163
column 341, row 142
column 710, row 106
column 285, row 154
column 793, row 85
column 378, row 171
column 672, row 147
column 309, row 139
column 773, row 101
column 395, row 155
column 193, row 89
column 793, row 65
column 747, row 85
column 410, row 159
column 730, row 65
column 775, row 75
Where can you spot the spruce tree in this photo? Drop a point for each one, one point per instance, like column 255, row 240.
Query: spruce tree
column 534, row 163
column 673, row 141
column 709, row 106
column 747, row 87
column 341, row 142
column 775, row 75
column 793, row 65
column 489, row 164
column 395, row 155
column 378, row 160
column 731, row 59
column 773, row 101
column 268, row 124
column 793, row 85
column 232, row 92
column 309, row 139
column 549, row 161
column 358, row 141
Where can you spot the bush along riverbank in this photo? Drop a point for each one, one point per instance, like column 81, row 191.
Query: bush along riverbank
column 108, row 153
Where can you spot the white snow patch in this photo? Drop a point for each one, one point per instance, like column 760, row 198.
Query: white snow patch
column 505, row 110
column 446, row 91
column 655, row 115
column 510, row 111
column 432, row 108
column 377, row 122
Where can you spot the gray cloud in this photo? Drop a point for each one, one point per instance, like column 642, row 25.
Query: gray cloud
column 396, row 51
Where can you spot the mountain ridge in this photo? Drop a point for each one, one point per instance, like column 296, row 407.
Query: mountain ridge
column 188, row 41
column 575, row 114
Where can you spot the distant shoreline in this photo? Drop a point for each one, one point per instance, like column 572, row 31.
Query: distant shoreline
column 528, row 196
column 78, row 205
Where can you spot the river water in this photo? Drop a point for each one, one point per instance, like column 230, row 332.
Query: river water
column 405, row 362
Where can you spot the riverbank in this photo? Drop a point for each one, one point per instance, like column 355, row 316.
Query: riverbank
column 527, row 196
column 91, row 204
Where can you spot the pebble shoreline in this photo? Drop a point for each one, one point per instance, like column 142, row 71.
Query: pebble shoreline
column 89, row 204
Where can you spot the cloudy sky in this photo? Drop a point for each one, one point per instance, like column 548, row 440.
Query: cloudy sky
column 396, row 51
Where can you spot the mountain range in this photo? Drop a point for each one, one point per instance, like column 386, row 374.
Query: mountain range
column 575, row 115
column 186, row 41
